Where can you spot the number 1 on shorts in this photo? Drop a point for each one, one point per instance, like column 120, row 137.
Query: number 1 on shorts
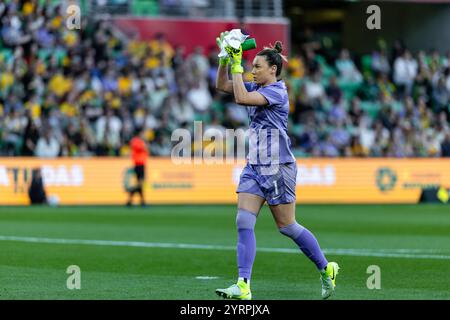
column 276, row 187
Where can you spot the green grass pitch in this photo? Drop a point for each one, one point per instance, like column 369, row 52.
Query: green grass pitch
column 159, row 252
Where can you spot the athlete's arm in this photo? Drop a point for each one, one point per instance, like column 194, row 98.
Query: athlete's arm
column 243, row 97
column 223, row 83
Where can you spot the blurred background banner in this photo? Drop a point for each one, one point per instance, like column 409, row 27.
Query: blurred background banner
column 103, row 181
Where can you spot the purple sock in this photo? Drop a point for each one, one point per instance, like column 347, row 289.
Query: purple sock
column 307, row 243
column 246, row 245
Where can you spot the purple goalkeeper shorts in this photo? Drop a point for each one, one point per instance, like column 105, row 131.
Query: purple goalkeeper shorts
column 274, row 183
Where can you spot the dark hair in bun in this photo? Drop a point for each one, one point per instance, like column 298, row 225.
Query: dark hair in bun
column 273, row 56
column 278, row 47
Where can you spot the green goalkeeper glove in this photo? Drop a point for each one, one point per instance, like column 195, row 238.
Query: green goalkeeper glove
column 225, row 60
column 236, row 57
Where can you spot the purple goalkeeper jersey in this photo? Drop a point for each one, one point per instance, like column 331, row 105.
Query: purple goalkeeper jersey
column 269, row 142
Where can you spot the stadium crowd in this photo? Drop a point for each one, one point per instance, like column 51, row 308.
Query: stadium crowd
column 85, row 92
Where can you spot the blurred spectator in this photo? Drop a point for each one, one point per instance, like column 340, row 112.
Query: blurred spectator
column 309, row 138
column 199, row 63
column 405, row 71
column 398, row 48
column 441, row 96
column 369, row 90
column 312, row 66
column 47, row 146
column 161, row 48
column 182, row 109
column 386, row 88
column 355, row 149
column 337, row 113
column 199, row 96
column 30, row 138
column 36, row 191
column 315, row 91
column 333, row 90
column 161, row 146
column 380, row 62
column 296, row 67
column 328, row 148
column 445, row 145
column 340, row 136
column 108, row 129
column 347, row 69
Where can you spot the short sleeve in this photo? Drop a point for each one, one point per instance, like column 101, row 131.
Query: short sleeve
column 250, row 86
column 274, row 95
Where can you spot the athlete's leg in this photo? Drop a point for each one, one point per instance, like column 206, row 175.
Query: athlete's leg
column 140, row 191
column 280, row 192
column 250, row 201
column 248, row 209
column 249, row 206
column 130, row 196
column 284, row 215
column 140, row 175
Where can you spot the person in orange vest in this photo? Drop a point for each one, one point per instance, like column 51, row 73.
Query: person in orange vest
column 139, row 155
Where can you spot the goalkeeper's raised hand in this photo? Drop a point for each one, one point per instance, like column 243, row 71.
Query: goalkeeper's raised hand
column 225, row 60
column 236, row 57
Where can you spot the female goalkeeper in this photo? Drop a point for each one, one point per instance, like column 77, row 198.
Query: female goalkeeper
column 271, row 170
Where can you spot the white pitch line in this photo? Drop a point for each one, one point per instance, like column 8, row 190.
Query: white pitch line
column 383, row 253
column 206, row 278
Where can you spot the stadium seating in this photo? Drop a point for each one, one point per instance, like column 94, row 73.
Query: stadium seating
column 145, row 8
column 151, row 85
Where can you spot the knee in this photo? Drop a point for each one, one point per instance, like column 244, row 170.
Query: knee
column 284, row 221
column 292, row 230
column 245, row 219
